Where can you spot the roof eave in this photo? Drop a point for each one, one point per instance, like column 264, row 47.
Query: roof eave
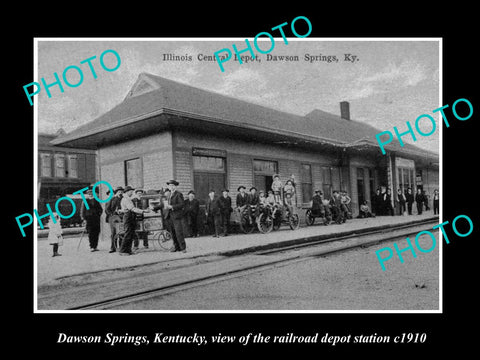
column 64, row 140
column 366, row 144
column 69, row 139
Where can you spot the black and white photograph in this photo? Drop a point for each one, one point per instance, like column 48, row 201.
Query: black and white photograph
column 226, row 181
column 177, row 186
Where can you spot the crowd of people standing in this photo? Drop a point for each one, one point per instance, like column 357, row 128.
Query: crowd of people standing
column 404, row 201
column 179, row 213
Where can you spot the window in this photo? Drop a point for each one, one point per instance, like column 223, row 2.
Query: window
column 405, row 173
column 405, row 179
column 72, row 166
column 360, row 185
column 371, row 179
column 335, row 171
column 264, row 166
column 209, row 173
column 208, row 163
column 45, row 164
column 330, row 180
column 133, row 173
column 307, row 192
column 59, row 165
column 326, row 182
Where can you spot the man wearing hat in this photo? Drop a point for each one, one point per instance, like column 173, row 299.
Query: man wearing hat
column 91, row 217
column 129, row 210
column 111, row 211
column 137, row 202
column 213, row 213
column 336, row 204
column 243, row 201
column 225, row 203
column 242, row 196
column 192, row 208
column 174, row 216
column 254, row 197
column 321, row 207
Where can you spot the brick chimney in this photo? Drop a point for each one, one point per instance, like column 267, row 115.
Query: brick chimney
column 345, row 110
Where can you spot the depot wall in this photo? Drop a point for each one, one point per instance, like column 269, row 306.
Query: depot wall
column 240, row 156
column 431, row 180
column 154, row 153
column 170, row 154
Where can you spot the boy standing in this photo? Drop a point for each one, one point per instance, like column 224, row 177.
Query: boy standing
column 277, row 188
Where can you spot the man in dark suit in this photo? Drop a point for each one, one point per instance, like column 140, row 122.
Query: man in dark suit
column 192, row 208
column 419, row 200
column 242, row 197
column 225, row 203
column 253, row 198
column 376, row 200
column 175, row 212
column 243, row 202
column 91, row 217
column 112, row 217
column 213, row 213
column 401, row 201
column 388, row 203
column 409, row 198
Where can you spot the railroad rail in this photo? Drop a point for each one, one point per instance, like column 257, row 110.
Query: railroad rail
column 120, row 292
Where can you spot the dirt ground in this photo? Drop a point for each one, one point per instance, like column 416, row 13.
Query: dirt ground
column 351, row 280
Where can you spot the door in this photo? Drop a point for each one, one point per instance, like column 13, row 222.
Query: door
column 204, row 182
column 360, row 186
column 263, row 182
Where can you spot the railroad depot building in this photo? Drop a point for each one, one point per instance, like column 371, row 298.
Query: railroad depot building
column 168, row 130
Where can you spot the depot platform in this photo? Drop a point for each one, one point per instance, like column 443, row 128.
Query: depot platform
column 77, row 259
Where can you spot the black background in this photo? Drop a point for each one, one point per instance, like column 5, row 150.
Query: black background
column 38, row 332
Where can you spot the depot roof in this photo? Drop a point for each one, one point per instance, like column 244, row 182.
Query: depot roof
column 155, row 103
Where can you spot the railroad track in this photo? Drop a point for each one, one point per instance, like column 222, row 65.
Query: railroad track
column 124, row 291
column 341, row 237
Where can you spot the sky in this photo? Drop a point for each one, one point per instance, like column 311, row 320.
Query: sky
column 389, row 83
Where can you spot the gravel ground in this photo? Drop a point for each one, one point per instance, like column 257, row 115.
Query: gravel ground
column 351, row 280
